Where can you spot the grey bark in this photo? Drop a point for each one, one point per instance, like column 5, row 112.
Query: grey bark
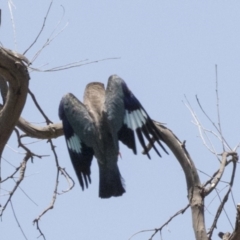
column 13, row 70
column 194, row 188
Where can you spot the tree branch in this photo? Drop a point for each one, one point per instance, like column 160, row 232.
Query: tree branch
column 18, row 182
column 195, row 190
column 225, row 199
column 46, row 132
column 3, row 88
column 13, row 70
column 50, row 131
column 217, row 176
column 236, row 234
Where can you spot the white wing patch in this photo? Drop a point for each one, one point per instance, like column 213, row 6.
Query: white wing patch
column 135, row 119
column 74, row 144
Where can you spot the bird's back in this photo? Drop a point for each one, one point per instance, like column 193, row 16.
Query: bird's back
column 106, row 143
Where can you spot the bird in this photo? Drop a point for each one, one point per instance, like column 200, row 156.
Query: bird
column 95, row 127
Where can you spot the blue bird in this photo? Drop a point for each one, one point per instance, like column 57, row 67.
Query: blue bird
column 94, row 127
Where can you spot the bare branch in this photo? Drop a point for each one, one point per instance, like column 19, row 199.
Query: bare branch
column 17, row 55
column 202, row 131
column 195, row 190
column 15, row 216
column 72, row 65
column 44, row 21
column 40, row 132
column 18, row 182
column 50, row 39
column 224, row 208
column 69, row 179
column 218, row 175
column 15, row 72
column 12, row 175
column 236, row 234
column 27, row 195
column 38, row 107
column 210, row 120
column 142, row 231
column 39, row 229
column 20, row 144
column 10, row 5
column 182, row 211
column 218, row 109
column 54, row 197
column 225, row 199
column 47, row 132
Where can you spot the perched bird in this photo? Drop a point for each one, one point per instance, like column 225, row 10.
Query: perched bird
column 94, row 127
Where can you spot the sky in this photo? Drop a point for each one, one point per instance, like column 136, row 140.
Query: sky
column 167, row 52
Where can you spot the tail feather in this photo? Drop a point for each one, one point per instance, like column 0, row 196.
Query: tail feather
column 111, row 182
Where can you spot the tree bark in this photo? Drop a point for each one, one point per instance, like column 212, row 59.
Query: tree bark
column 195, row 190
column 13, row 70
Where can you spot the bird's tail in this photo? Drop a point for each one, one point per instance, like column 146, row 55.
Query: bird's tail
column 111, row 182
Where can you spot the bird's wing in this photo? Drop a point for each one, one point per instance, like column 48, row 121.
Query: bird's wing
column 129, row 116
column 79, row 131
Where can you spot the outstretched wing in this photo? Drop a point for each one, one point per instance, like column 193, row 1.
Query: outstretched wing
column 79, row 133
column 129, row 116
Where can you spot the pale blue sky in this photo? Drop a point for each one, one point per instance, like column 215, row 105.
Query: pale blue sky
column 166, row 49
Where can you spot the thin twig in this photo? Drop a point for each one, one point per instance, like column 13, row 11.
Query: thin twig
column 212, row 200
column 224, row 208
column 218, row 130
column 12, row 175
column 72, row 65
column 54, row 197
column 43, row 25
column 49, row 40
column 27, row 194
column 48, row 121
column 10, row 5
column 69, row 179
column 142, row 231
column 182, row 211
column 20, row 144
column 14, row 150
column 218, row 109
column 18, row 182
column 8, row 162
column 39, row 230
column 234, row 202
column 202, row 131
column 156, row 230
column 15, row 216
